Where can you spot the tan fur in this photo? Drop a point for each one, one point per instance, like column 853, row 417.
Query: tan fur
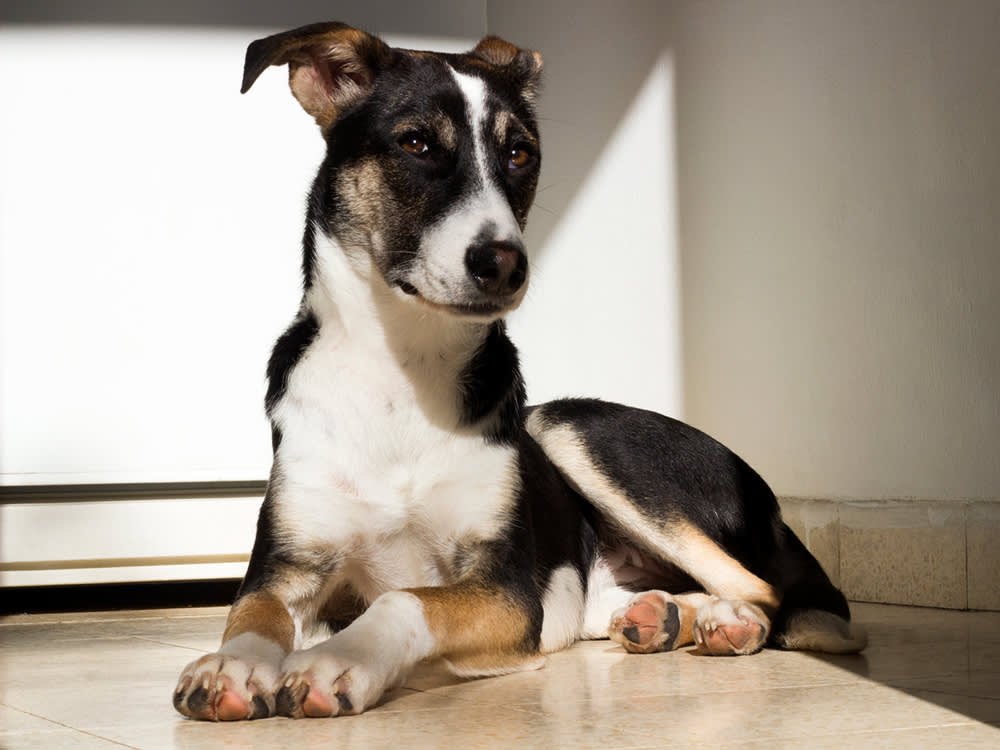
column 263, row 615
column 500, row 53
column 329, row 66
column 480, row 629
column 723, row 576
column 341, row 608
column 362, row 186
column 688, row 605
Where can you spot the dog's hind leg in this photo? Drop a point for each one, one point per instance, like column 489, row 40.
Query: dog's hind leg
column 623, row 462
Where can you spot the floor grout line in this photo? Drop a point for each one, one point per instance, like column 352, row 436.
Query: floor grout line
column 64, row 726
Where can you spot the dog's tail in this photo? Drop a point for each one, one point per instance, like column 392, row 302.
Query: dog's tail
column 814, row 614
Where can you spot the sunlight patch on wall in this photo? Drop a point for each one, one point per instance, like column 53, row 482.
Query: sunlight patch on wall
column 602, row 316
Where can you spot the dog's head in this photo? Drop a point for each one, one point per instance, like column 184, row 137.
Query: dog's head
column 432, row 159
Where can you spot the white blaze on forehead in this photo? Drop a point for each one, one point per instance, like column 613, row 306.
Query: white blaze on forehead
column 441, row 274
column 487, row 192
column 474, row 91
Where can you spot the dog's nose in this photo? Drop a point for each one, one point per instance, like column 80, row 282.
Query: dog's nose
column 498, row 268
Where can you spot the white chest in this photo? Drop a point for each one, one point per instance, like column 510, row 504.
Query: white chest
column 373, row 464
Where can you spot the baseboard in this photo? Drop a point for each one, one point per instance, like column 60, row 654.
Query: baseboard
column 114, row 534
column 933, row 554
column 914, row 552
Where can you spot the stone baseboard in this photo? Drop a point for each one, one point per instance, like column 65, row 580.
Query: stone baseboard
column 923, row 553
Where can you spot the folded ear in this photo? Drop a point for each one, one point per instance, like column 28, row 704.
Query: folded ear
column 330, row 66
column 523, row 65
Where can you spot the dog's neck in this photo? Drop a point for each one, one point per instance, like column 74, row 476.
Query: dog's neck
column 463, row 371
column 380, row 328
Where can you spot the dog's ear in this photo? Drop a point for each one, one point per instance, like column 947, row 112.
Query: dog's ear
column 523, row 65
column 330, row 66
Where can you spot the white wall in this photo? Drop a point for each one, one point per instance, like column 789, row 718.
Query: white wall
column 149, row 256
column 150, row 226
column 836, row 191
column 839, row 181
column 150, row 220
column 602, row 316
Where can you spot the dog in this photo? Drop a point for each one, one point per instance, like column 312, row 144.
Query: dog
column 416, row 506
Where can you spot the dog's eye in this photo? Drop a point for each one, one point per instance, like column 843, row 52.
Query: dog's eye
column 415, row 145
column 520, row 157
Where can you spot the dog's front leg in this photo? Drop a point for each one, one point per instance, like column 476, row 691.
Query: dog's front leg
column 239, row 680
column 476, row 628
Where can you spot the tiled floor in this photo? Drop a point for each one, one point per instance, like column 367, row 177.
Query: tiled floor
column 930, row 678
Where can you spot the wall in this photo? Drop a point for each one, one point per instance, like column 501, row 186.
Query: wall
column 169, row 263
column 839, row 178
column 774, row 219
column 150, row 219
column 602, row 313
column 150, row 225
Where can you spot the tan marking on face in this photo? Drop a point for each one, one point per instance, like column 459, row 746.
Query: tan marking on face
column 502, row 126
column 677, row 540
column 362, row 188
column 438, row 125
column 261, row 614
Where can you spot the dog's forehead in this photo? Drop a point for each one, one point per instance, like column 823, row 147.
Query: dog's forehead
column 444, row 84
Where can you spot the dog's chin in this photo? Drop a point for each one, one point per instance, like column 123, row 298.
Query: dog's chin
column 481, row 310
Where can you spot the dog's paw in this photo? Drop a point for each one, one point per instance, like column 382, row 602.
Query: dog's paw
column 726, row 627
column 322, row 682
column 218, row 687
column 650, row 622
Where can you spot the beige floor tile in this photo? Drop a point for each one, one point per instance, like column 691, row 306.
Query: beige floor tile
column 795, row 714
column 590, row 673
column 21, row 731
column 446, row 725
column 953, row 737
column 105, row 681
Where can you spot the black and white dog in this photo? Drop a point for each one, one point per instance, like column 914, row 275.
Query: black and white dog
column 416, row 505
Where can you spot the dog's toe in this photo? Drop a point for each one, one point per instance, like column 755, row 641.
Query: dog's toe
column 301, row 696
column 728, row 628
column 291, row 696
column 221, row 688
column 650, row 622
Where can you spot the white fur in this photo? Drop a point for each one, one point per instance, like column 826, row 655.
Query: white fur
column 441, row 277
column 248, row 664
column 370, row 655
column 372, row 450
column 253, row 648
column 604, row 597
column 562, row 607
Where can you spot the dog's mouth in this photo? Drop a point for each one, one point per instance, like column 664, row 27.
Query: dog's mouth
column 481, row 309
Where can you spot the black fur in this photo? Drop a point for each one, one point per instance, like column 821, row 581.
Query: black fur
column 493, row 389
column 672, row 470
column 288, row 349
